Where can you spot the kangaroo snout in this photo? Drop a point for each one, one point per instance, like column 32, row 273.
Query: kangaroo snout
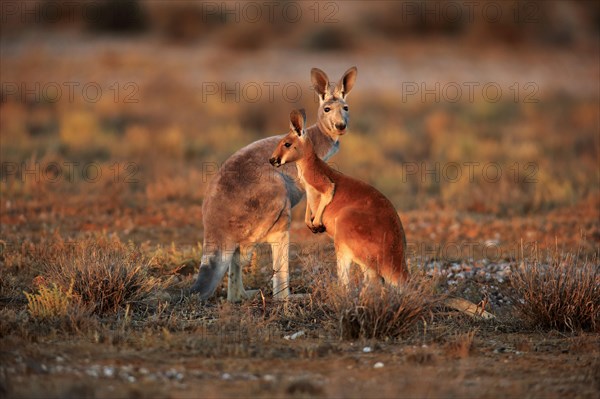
column 340, row 126
column 275, row 161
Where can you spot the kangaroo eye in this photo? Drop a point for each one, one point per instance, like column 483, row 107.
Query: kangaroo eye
column 345, row 108
column 288, row 145
column 326, row 109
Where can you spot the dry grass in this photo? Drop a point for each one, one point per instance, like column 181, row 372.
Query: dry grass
column 373, row 310
column 54, row 306
column 105, row 274
column 563, row 294
column 50, row 302
column 175, row 151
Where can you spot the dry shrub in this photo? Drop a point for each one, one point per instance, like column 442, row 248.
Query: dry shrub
column 374, row 310
column 563, row 294
column 105, row 274
column 54, row 307
column 50, row 302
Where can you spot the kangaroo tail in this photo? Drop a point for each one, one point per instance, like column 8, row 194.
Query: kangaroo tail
column 468, row 308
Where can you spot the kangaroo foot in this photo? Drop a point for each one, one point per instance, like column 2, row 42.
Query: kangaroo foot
column 240, row 296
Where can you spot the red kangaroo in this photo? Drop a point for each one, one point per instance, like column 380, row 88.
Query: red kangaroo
column 363, row 223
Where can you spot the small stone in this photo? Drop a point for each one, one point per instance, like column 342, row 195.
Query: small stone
column 294, row 335
column 174, row 375
column 367, row 349
column 108, row 371
column 93, row 371
column 378, row 365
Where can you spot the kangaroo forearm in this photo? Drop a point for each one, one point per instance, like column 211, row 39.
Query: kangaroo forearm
column 325, row 199
column 307, row 213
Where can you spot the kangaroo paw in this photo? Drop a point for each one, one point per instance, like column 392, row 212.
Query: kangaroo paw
column 317, row 229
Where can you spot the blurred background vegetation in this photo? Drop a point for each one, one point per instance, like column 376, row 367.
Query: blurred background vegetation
column 178, row 94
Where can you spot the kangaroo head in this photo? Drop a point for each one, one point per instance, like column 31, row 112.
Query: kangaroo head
column 333, row 115
column 291, row 148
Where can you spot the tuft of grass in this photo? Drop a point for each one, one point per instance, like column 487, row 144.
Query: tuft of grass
column 563, row 294
column 51, row 302
column 370, row 310
column 57, row 307
column 106, row 275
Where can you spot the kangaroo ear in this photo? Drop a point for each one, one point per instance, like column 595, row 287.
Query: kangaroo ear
column 297, row 121
column 346, row 83
column 320, row 82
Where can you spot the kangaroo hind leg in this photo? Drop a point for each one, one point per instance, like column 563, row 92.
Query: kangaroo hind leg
column 235, row 285
column 280, row 244
column 213, row 266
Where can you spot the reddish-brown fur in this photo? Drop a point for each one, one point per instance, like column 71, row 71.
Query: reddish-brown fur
column 363, row 223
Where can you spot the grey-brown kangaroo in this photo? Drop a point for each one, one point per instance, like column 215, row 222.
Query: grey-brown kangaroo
column 249, row 202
